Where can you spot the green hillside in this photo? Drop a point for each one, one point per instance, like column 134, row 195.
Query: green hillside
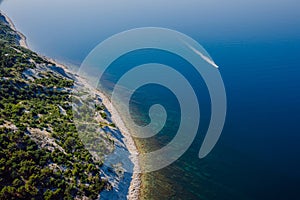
column 41, row 156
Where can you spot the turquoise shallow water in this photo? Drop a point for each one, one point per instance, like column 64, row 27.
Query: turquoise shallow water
column 257, row 47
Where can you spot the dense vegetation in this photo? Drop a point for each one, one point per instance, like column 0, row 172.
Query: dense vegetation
column 41, row 156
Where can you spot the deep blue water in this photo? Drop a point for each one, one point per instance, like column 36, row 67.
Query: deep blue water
column 257, row 155
column 256, row 45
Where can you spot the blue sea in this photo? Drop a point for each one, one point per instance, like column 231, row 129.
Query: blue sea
column 256, row 46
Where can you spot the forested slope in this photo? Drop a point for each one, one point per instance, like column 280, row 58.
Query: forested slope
column 41, row 156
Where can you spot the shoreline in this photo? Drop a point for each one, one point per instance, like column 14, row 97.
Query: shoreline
column 136, row 182
column 23, row 39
